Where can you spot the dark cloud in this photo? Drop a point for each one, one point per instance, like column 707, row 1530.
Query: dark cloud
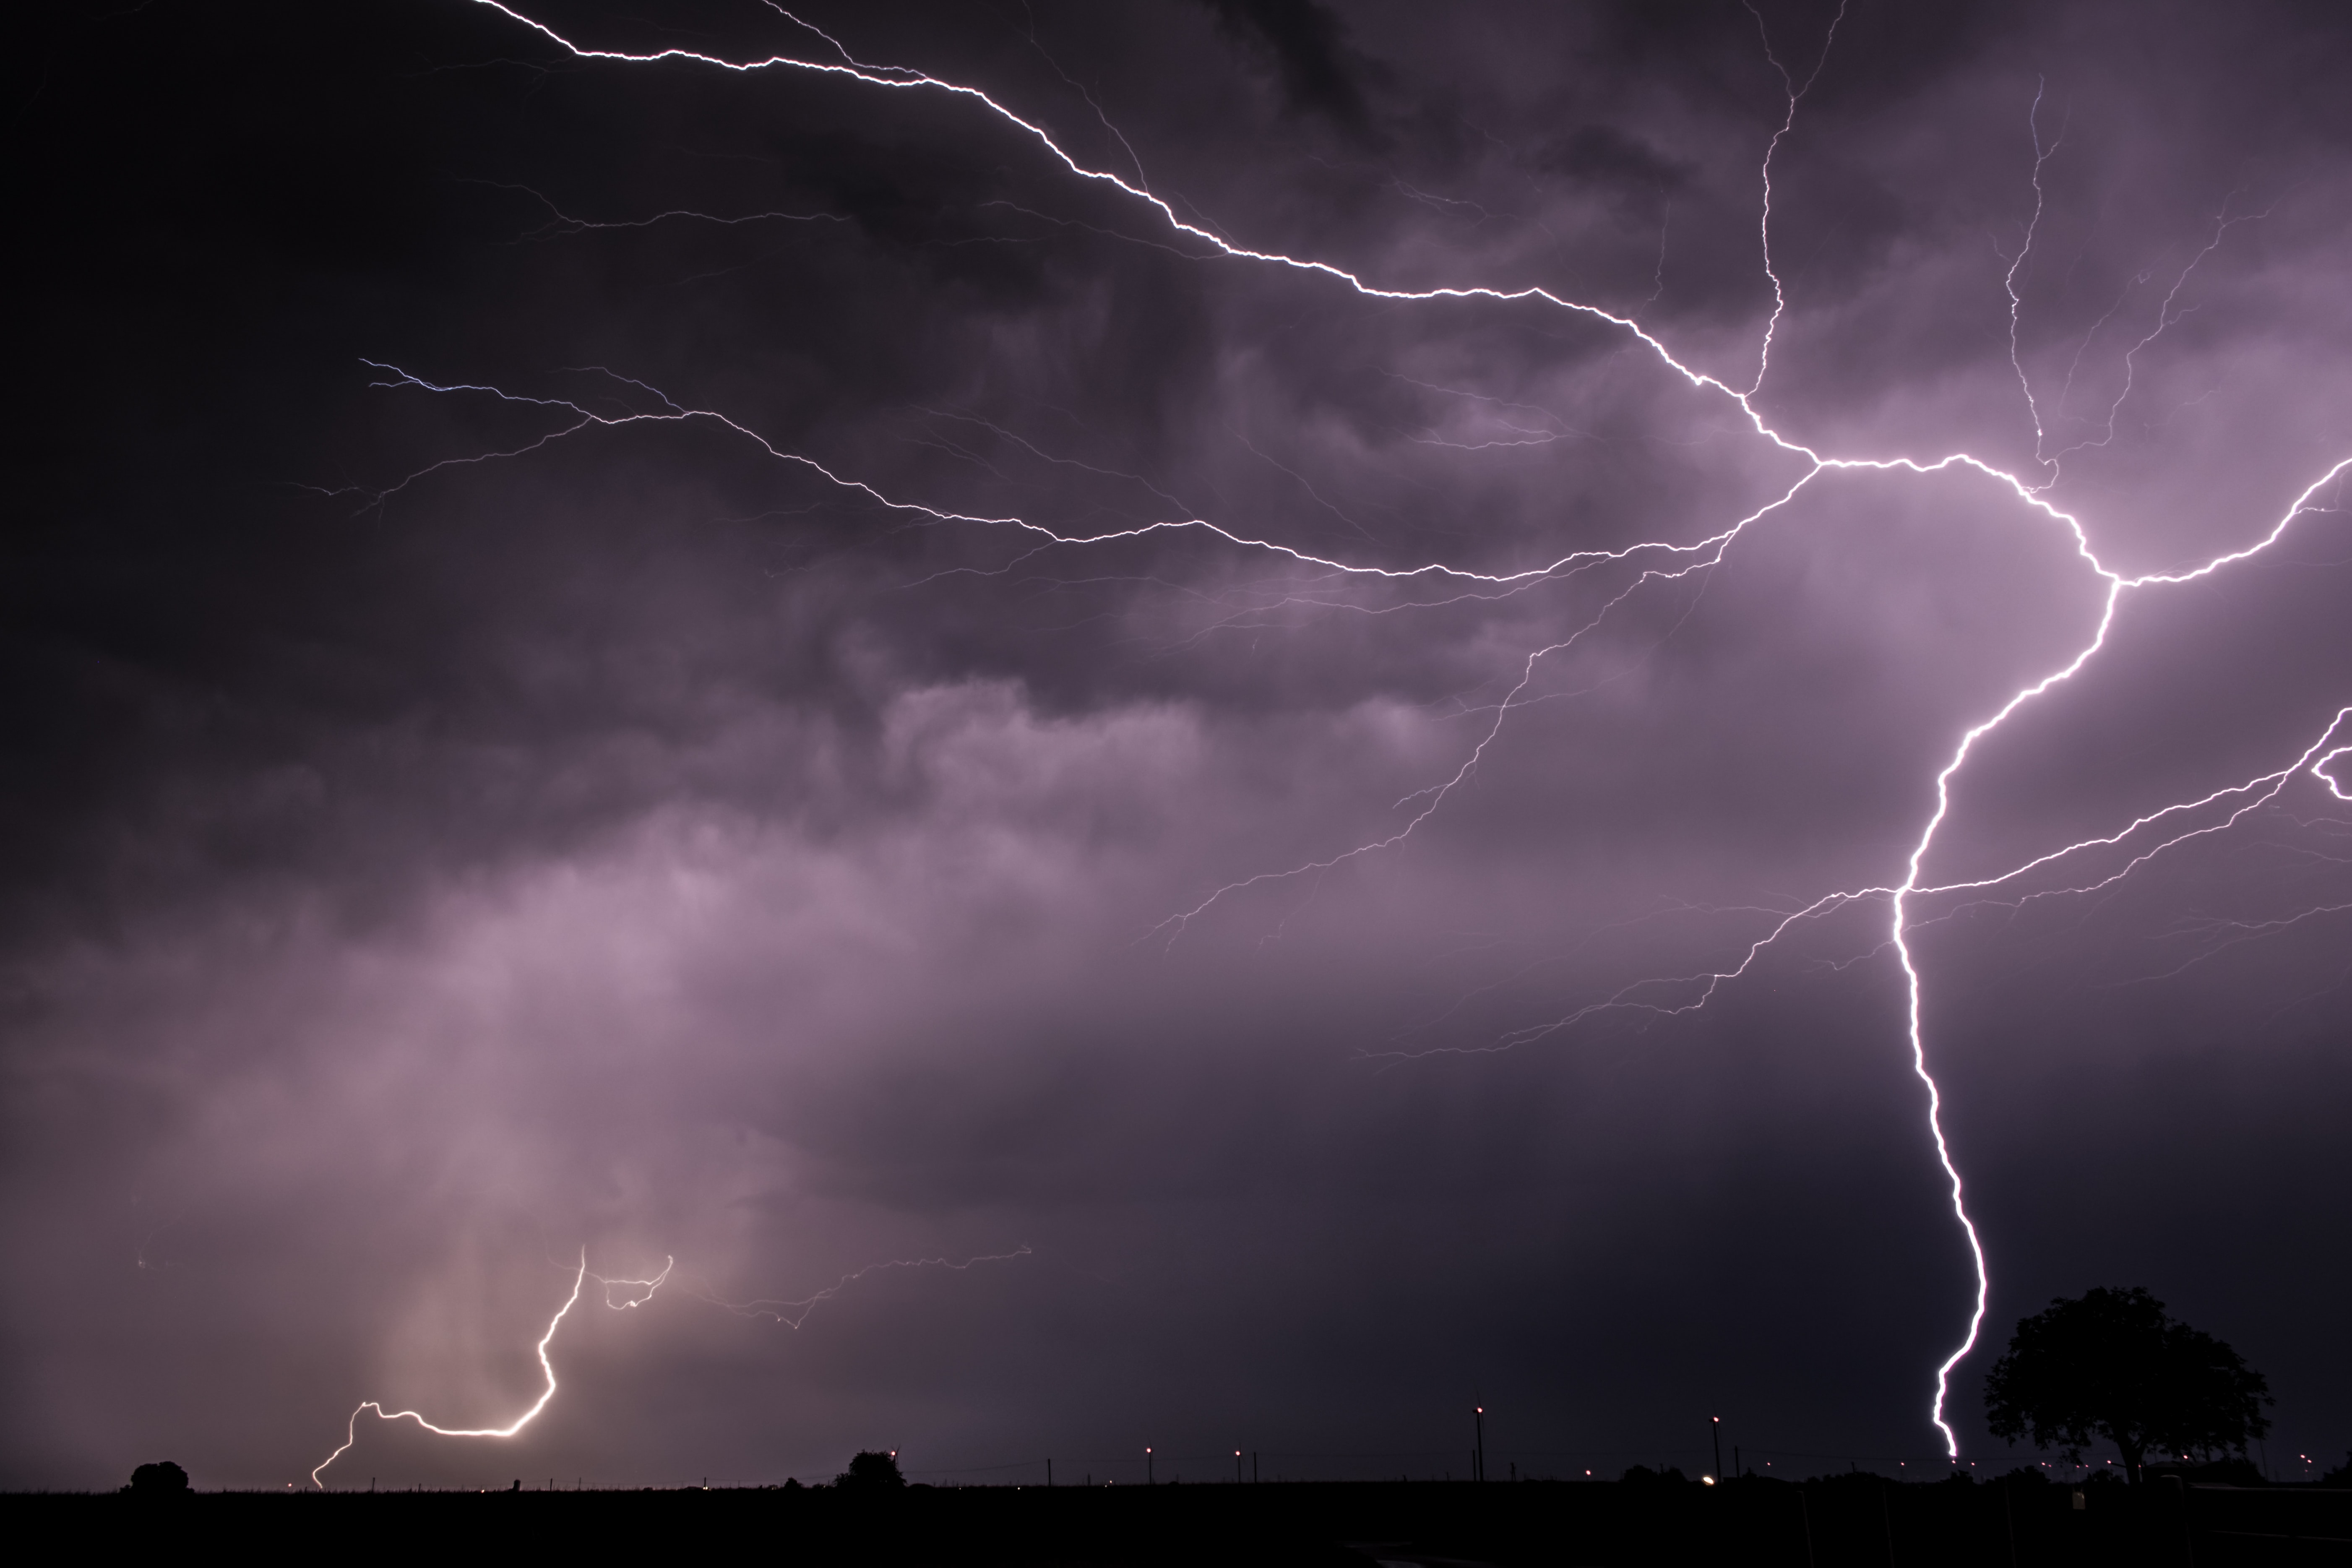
column 1306, row 43
column 436, row 838
column 1605, row 156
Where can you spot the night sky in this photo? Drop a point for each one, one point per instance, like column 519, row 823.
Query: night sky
column 780, row 670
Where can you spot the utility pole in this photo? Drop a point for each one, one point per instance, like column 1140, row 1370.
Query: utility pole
column 1147, row 1467
column 1718, row 1429
column 1237, row 1467
column 1478, row 1460
column 1049, row 1472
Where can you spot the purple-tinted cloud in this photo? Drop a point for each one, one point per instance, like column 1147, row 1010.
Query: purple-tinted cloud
column 1103, row 791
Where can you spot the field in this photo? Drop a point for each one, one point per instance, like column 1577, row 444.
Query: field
column 1829, row 1523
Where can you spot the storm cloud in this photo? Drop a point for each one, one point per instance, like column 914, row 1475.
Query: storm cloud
column 554, row 705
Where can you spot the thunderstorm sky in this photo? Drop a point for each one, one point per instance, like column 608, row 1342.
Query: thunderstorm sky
column 844, row 679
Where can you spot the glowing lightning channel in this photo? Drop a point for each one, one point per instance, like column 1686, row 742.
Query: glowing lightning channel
column 2165, row 317
column 2319, row 771
column 562, row 225
column 631, row 1303
column 1704, row 554
column 907, row 77
column 1764, row 221
column 2009, row 279
column 546, row 1367
column 2263, row 789
column 793, row 1314
column 1436, row 795
column 672, row 412
column 1910, row 970
column 2259, row 791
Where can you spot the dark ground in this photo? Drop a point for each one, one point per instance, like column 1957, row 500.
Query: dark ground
column 1859, row 1519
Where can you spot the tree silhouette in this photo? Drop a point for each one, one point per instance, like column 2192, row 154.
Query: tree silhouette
column 2112, row 1364
column 165, row 1480
column 872, row 1472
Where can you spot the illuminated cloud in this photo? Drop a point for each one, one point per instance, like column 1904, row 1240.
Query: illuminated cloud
column 1330, row 681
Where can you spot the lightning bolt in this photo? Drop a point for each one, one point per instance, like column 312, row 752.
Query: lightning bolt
column 1659, row 561
column 1796, row 91
column 793, row 1314
column 546, row 1368
column 635, row 1293
column 631, row 1303
column 2166, row 315
column 2319, row 771
column 2041, row 155
column 562, row 225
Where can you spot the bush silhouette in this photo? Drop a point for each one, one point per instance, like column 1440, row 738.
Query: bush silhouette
column 1642, row 1474
column 871, row 1471
column 2111, row 1364
column 165, row 1480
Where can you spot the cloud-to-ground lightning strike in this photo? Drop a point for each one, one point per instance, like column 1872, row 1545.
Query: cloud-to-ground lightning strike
column 1659, row 560
column 635, row 1293
column 546, row 1367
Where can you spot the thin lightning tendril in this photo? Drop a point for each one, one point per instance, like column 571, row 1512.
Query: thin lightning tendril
column 793, row 1314
column 2165, row 317
column 1789, row 123
column 2041, row 155
column 1659, row 561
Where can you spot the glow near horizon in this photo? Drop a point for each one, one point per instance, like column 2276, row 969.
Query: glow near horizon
column 546, row 1368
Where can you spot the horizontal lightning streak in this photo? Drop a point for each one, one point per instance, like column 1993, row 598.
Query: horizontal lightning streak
column 673, row 413
column 1436, row 796
column 2263, row 788
column 793, row 1314
column 2245, row 931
